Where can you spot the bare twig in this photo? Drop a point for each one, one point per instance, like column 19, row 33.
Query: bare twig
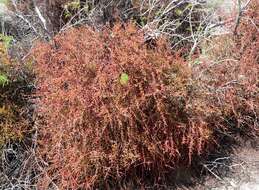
column 238, row 16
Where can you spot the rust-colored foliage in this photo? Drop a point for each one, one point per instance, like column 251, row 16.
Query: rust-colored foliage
column 243, row 97
column 234, row 79
column 113, row 107
column 247, row 38
column 247, row 47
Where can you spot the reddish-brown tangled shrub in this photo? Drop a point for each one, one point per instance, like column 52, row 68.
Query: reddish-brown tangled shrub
column 114, row 106
column 247, row 38
column 243, row 96
column 233, row 79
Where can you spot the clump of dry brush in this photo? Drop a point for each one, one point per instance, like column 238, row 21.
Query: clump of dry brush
column 114, row 106
column 13, row 97
column 15, row 118
column 234, row 78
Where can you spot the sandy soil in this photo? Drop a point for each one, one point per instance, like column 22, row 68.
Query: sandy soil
column 239, row 171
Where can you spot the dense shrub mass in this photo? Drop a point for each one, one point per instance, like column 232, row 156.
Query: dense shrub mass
column 13, row 123
column 247, row 46
column 232, row 70
column 114, row 103
column 247, row 39
column 114, row 106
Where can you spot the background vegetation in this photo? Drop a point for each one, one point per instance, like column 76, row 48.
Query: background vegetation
column 122, row 94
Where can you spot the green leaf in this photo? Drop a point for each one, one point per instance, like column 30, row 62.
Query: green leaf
column 6, row 40
column 189, row 5
column 178, row 12
column 74, row 5
column 197, row 62
column 67, row 14
column 3, row 80
column 143, row 21
column 124, row 79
